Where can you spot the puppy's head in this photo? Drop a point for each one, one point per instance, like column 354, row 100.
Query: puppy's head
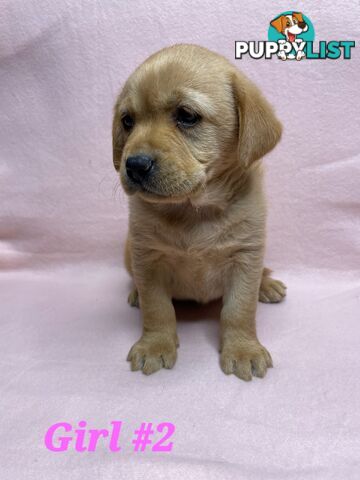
column 185, row 116
column 290, row 25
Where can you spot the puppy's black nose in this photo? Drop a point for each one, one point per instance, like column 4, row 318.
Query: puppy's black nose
column 138, row 167
column 302, row 24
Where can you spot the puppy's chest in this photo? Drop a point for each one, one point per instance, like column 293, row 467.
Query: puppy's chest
column 197, row 262
column 209, row 244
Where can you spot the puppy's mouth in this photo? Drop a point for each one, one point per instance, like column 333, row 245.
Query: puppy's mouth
column 163, row 191
column 293, row 31
column 291, row 37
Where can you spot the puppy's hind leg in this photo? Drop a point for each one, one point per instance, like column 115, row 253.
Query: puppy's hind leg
column 271, row 290
column 133, row 298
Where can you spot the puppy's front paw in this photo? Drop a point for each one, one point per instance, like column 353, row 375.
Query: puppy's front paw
column 300, row 55
column 245, row 358
column 152, row 352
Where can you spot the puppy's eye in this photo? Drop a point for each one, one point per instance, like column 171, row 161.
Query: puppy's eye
column 186, row 118
column 128, row 122
column 288, row 23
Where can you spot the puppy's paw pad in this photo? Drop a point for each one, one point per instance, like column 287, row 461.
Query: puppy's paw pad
column 133, row 298
column 246, row 361
column 271, row 290
column 150, row 355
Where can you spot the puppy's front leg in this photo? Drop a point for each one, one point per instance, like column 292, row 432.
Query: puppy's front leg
column 157, row 346
column 241, row 351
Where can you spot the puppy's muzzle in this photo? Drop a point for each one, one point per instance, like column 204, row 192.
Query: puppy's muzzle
column 138, row 167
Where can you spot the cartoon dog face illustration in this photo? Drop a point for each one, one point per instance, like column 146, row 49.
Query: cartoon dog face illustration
column 290, row 25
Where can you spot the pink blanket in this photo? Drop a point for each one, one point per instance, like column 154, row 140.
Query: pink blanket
column 65, row 326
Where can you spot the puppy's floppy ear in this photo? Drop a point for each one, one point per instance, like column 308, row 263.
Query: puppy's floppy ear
column 118, row 139
column 298, row 16
column 259, row 129
column 277, row 23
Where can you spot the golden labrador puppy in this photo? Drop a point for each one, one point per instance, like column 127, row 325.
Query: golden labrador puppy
column 188, row 133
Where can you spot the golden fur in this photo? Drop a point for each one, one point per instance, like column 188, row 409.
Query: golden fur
column 197, row 224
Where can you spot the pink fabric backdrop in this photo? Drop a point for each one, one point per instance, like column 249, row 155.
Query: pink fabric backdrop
column 65, row 326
